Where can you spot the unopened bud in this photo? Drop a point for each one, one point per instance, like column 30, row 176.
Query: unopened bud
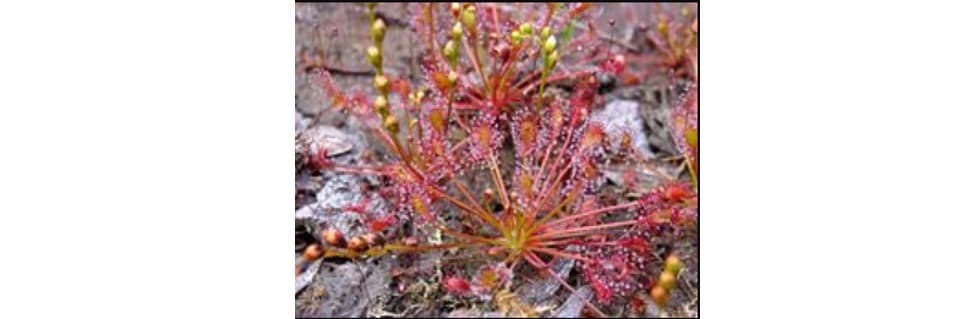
column 470, row 18
column 659, row 295
column 450, row 52
column 381, row 83
column 550, row 44
column 668, row 280
column 545, row 32
column 457, row 32
column 380, row 105
column 673, row 264
column 357, row 244
column 552, row 60
column 662, row 28
column 334, row 237
column 391, row 124
column 515, row 37
column 313, row 252
column 449, row 49
column 373, row 239
column 373, row 54
column 378, row 29
column 452, row 77
column 526, row 28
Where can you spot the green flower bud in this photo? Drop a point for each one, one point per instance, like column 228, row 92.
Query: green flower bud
column 373, row 54
column 668, row 280
column 545, row 32
column 515, row 37
column 380, row 105
column 451, row 52
column 452, row 77
column 662, row 28
column 552, row 60
column 457, row 32
column 673, row 264
column 550, row 44
column 391, row 124
column 381, row 83
column 470, row 18
column 378, row 29
column 526, row 28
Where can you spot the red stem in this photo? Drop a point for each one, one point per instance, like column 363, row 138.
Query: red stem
column 543, row 198
column 578, row 231
column 543, row 165
column 486, row 216
column 495, row 171
column 592, row 213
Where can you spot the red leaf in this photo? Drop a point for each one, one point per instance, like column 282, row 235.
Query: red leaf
column 456, row 286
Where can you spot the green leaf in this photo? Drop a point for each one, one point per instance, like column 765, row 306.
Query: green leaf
column 567, row 33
